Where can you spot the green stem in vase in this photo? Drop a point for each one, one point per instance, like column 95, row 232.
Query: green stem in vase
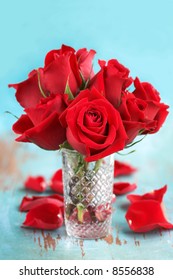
column 81, row 166
column 97, row 165
column 81, row 184
column 80, row 212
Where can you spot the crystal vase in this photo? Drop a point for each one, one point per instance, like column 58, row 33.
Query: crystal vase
column 88, row 189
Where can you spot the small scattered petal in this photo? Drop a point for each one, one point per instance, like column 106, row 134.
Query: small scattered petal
column 56, row 183
column 123, row 169
column 123, row 187
column 36, row 183
column 146, row 215
column 154, row 195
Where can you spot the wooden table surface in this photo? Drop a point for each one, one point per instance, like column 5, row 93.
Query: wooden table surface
column 154, row 161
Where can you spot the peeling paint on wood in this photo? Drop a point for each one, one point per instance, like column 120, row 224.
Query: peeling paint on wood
column 109, row 239
column 81, row 243
column 12, row 156
column 137, row 242
column 49, row 241
column 117, row 240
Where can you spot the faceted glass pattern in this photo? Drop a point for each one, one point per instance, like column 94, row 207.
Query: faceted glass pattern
column 88, row 189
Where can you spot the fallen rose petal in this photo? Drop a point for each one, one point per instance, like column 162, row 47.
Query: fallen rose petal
column 44, row 216
column 123, row 169
column 30, row 202
column 146, row 215
column 123, row 187
column 56, row 183
column 36, row 183
column 154, row 195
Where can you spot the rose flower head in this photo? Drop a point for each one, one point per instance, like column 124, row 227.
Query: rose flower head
column 94, row 127
column 40, row 125
column 111, row 80
column 63, row 67
column 141, row 111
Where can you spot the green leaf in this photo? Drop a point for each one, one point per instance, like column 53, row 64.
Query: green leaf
column 86, row 83
column 39, row 85
column 80, row 166
column 97, row 165
column 134, row 143
column 8, row 112
column 83, row 82
column 126, row 153
column 65, row 145
column 68, row 91
column 141, row 131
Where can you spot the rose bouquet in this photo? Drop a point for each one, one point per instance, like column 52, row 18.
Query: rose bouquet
column 89, row 116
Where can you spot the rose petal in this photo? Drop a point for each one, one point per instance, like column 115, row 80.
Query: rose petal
column 85, row 64
column 145, row 91
column 44, row 216
column 123, row 169
column 30, row 202
column 146, row 215
column 43, row 135
column 56, row 183
column 36, row 183
column 56, row 74
column 22, row 124
column 28, row 93
column 123, row 187
column 154, row 195
column 103, row 211
column 51, row 55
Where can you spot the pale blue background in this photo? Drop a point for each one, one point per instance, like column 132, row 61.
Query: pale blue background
column 138, row 33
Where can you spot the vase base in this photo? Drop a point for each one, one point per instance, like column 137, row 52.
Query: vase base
column 94, row 230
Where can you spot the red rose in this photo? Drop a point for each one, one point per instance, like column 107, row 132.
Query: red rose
column 139, row 113
column 111, row 80
column 132, row 111
column 62, row 67
column 155, row 110
column 94, row 126
column 84, row 60
column 145, row 91
column 41, row 124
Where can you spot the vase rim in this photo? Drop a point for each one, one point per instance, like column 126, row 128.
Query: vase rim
column 70, row 151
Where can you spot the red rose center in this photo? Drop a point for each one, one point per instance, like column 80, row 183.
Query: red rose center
column 92, row 118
